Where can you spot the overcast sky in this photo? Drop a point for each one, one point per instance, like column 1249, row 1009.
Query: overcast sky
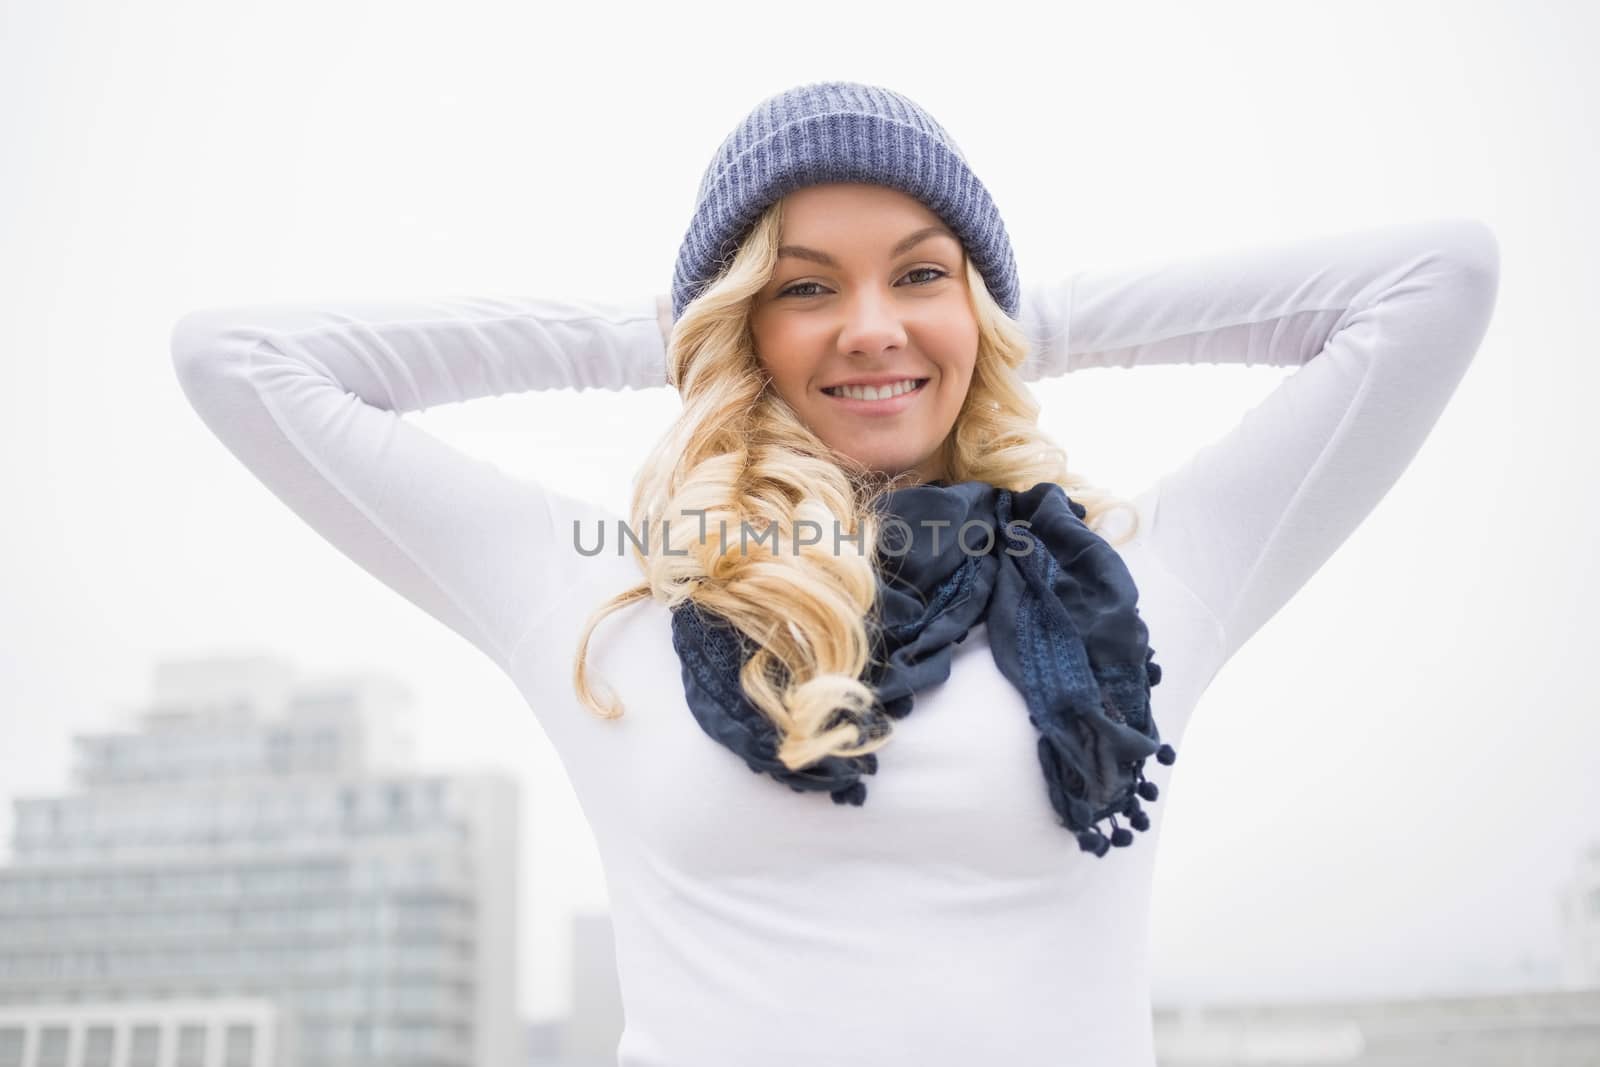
column 1383, row 791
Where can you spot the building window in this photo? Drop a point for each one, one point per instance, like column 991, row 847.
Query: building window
column 144, row 1049
column 99, row 1045
column 239, row 1048
column 54, row 1043
column 12, row 1039
column 191, row 1046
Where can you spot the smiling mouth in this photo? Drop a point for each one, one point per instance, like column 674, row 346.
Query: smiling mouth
column 871, row 393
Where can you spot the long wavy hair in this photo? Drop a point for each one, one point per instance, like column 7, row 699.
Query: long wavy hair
column 738, row 458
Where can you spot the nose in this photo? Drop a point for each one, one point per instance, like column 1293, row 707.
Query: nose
column 872, row 324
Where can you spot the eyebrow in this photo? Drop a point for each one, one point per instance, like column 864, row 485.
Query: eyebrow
column 801, row 252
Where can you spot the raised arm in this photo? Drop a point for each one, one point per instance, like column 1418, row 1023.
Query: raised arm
column 1382, row 323
column 309, row 397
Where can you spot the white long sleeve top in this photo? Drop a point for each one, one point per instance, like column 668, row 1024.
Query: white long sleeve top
column 950, row 920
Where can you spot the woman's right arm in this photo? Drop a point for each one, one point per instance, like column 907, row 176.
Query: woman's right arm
column 309, row 397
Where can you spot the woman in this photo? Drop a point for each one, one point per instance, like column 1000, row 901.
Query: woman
column 840, row 237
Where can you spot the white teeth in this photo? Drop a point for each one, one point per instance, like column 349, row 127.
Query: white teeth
column 871, row 392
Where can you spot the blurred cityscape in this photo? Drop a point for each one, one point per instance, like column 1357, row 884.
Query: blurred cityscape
column 254, row 874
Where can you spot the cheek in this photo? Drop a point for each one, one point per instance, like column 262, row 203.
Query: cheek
column 959, row 357
column 788, row 375
column 950, row 335
column 785, row 361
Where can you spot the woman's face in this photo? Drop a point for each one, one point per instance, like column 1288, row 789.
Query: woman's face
column 865, row 293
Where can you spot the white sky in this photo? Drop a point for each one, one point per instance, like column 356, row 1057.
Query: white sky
column 1381, row 793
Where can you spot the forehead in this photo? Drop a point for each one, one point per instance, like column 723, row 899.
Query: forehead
column 846, row 220
column 848, row 206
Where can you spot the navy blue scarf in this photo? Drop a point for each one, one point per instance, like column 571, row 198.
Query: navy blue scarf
column 1063, row 622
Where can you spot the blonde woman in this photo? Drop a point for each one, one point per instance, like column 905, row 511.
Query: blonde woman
column 723, row 669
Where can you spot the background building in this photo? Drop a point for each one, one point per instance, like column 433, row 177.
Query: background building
column 233, row 1032
column 1580, row 922
column 591, row 1035
column 259, row 838
column 1553, row 1028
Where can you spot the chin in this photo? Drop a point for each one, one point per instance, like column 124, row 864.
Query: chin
column 888, row 455
column 890, row 466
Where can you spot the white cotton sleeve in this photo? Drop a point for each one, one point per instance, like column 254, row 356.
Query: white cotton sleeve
column 310, row 396
column 1381, row 323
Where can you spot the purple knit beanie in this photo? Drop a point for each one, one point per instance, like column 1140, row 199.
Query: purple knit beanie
column 838, row 131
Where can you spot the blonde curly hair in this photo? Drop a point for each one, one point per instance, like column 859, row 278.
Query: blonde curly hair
column 739, row 458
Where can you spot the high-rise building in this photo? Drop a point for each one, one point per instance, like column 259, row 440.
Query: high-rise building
column 257, row 852
column 211, row 1032
column 1580, row 922
column 592, row 1032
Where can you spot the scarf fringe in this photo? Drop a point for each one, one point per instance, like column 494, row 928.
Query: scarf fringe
column 1095, row 840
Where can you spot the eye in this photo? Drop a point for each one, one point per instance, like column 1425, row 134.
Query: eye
column 794, row 290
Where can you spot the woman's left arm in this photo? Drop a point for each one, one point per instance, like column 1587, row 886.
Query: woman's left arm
column 1381, row 322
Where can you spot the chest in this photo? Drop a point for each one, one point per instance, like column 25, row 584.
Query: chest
column 959, row 790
